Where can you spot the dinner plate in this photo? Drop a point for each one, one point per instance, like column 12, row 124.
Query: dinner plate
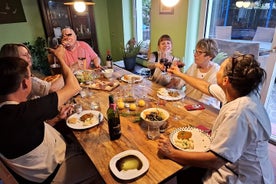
column 163, row 93
column 201, row 140
column 79, row 124
column 127, row 78
column 132, row 173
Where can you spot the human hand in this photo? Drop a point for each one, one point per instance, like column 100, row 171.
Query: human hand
column 65, row 111
column 174, row 69
column 164, row 146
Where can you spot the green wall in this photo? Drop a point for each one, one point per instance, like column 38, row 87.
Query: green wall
column 172, row 24
column 23, row 31
column 113, row 20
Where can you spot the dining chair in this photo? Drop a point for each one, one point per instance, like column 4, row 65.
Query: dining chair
column 264, row 34
column 5, row 175
column 223, row 32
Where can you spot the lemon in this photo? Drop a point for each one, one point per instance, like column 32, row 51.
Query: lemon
column 141, row 103
column 132, row 107
column 120, row 104
column 120, row 99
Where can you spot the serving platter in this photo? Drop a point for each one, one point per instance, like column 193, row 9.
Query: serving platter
column 80, row 124
column 131, row 173
column 101, row 84
column 201, row 140
column 170, row 94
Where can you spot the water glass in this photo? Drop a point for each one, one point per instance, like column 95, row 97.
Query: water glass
column 95, row 106
column 78, row 108
column 153, row 131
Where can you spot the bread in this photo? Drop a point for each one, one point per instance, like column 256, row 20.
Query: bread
column 73, row 120
column 52, row 78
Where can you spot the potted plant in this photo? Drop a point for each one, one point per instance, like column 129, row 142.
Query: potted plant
column 130, row 52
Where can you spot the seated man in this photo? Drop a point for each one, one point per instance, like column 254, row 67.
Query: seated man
column 73, row 49
column 31, row 148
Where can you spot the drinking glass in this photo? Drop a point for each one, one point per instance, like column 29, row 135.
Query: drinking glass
column 78, row 108
column 82, row 58
column 153, row 131
column 95, row 106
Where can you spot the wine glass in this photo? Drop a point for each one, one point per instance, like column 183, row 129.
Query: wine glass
column 53, row 43
column 81, row 58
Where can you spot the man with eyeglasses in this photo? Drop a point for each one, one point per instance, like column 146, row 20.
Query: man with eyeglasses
column 238, row 151
column 73, row 46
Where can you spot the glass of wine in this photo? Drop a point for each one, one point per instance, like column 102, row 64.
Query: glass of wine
column 81, row 58
column 55, row 67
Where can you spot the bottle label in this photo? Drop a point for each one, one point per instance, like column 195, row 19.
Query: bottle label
column 109, row 64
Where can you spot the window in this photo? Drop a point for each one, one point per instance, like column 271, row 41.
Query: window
column 142, row 19
column 243, row 16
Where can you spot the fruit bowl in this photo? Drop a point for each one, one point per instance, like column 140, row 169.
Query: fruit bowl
column 155, row 116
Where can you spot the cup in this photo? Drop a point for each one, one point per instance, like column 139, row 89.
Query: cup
column 95, row 106
column 153, row 131
column 78, row 108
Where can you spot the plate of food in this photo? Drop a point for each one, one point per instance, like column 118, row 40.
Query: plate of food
column 129, row 164
column 190, row 139
column 170, row 94
column 52, row 78
column 85, row 119
column 131, row 78
column 84, row 76
column 101, row 84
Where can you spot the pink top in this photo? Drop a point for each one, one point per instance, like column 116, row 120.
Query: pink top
column 71, row 56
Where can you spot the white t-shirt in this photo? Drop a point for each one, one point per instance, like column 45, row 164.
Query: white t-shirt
column 240, row 135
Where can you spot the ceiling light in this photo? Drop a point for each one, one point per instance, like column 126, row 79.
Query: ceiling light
column 169, row 3
column 239, row 4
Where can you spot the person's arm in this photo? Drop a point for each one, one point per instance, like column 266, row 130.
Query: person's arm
column 71, row 86
column 197, row 159
column 196, row 83
column 97, row 62
column 57, row 84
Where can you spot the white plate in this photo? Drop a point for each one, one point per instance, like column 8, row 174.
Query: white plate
column 129, row 174
column 200, row 139
column 163, row 93
column 139, row 78
column 79, row 125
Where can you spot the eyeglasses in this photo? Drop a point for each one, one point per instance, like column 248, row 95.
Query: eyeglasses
column 69, row 34
column 198, row 52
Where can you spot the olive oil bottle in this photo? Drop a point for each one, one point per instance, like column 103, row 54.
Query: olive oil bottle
column 113, row 117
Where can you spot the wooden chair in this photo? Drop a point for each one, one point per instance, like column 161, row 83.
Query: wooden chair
column 224, row 32
column 5, row 174
column 264, row 34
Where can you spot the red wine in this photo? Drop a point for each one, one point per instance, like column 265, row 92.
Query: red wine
column 113, row 117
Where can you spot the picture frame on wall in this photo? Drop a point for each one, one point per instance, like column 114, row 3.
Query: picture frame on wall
column 165, row 10
column 11, row 11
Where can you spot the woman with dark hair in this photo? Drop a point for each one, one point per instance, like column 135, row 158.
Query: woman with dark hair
column 238, row 151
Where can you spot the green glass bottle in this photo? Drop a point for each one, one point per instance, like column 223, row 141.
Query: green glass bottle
column 113, row 117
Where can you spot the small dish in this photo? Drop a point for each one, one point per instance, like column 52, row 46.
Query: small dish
column 108, row 73
column 129, row 173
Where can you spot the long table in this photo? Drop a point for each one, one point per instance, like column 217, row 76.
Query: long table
column 96, row 143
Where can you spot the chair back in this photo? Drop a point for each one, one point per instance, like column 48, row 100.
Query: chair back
column 231, row 47
column 223, row 32
column 264, row 34
column 5, row 174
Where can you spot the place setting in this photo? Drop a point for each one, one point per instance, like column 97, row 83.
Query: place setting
column 170, row 94
column 83, row 119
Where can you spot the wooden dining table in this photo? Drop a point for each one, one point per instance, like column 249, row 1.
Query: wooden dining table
column 100, row 149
